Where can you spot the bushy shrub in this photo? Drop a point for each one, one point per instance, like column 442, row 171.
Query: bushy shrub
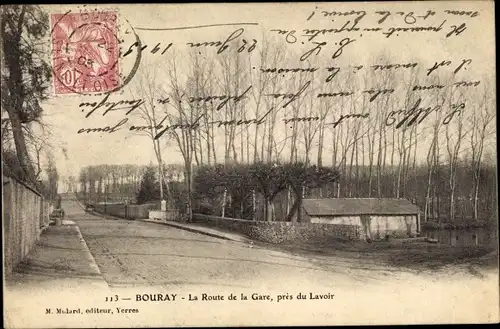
column 148, row 189
column 178, row 196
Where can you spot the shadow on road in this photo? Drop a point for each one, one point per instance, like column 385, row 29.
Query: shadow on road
column 119, row 236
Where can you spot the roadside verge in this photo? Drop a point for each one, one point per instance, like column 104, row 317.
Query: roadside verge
column 210, row 232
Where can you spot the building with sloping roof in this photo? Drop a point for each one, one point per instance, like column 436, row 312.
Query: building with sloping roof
column 377, row 218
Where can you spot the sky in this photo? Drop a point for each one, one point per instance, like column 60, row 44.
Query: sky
column 65, row 117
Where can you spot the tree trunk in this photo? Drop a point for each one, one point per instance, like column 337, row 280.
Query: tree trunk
column 475, row 202
column 224, row 203
column 320, row 145
column 430, row 164
column 295, row 214
column 254, row 205
column 393, row 149
column 189, row 179
column 20, row 143
column 266, row 209
column 351, row 163
column 99, row 189
column 12, row 51
column 291, row 217
column 288, row 199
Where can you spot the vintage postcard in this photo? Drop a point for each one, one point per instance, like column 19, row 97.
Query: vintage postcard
column 172, row 165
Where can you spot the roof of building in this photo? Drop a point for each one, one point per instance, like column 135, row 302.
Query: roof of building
column 359, row 206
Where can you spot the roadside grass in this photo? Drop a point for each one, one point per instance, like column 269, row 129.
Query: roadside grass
column 412, row 255
column 437, row 256
column 420, row 256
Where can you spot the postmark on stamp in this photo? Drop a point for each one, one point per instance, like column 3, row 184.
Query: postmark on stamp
column 85, row 52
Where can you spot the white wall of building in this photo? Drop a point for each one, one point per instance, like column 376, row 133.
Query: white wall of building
column 379, row 226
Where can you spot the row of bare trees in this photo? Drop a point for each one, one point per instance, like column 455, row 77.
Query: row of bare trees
column 101, row 183
column 381, row 128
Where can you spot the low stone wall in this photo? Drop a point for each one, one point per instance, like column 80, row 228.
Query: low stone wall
column 280, row 232
column 126, row 211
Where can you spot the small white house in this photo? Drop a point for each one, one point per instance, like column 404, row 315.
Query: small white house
column 377, row 218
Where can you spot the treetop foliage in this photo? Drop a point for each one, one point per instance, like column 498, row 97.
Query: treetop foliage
column 266, row 179
column 24, row 28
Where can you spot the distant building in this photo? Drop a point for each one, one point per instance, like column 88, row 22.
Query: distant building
column 376, row 218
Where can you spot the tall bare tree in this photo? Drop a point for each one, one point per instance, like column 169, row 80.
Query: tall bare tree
column 481, row 119
column 150, row 91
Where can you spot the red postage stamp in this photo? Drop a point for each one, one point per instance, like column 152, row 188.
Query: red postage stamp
column 85, row 52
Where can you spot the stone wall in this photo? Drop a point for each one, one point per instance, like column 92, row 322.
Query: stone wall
column 280, row 232
column 134, row 211
column 25, row 213
column 126, row 211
